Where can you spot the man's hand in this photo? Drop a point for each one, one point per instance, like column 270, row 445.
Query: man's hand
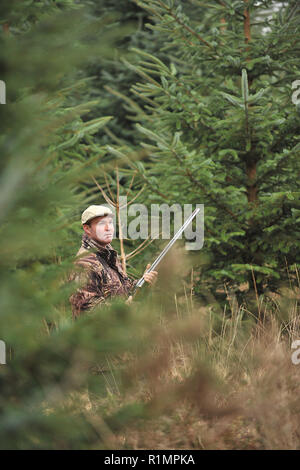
column 151, row 277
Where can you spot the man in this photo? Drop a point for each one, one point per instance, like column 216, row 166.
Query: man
column 102, row 276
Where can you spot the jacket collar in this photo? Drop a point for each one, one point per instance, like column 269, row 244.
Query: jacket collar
column 105, row 252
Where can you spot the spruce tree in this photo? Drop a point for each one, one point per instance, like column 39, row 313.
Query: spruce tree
column 220, row 127
column 44, row 165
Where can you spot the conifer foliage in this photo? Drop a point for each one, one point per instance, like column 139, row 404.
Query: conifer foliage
column 221, row 128
column 44, row 145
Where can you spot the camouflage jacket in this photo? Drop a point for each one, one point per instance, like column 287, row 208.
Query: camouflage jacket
column 100, row 277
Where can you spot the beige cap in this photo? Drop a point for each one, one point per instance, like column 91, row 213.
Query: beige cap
column 94, row 211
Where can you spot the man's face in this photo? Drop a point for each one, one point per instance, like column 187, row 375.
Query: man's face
column 100, row 229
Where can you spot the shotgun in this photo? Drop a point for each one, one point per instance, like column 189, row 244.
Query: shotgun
column 141, row 281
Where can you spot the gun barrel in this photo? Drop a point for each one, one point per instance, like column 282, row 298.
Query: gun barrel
column 141, row 281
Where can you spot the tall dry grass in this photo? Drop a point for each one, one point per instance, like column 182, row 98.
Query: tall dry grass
column 211, row 379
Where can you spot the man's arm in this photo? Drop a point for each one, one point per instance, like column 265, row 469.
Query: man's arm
column 150, row 278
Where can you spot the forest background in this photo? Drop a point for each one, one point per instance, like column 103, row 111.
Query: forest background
column 164, row 101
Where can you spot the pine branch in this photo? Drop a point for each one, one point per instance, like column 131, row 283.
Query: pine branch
column 140, row 248
column 186, row 27
column 131, row 183
column 113, row 136
column 279, row 164
column 108, row 188
column 117, row 205
column 247, row 24
column 136, row 196
column 109, row 201
column 195, row 182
